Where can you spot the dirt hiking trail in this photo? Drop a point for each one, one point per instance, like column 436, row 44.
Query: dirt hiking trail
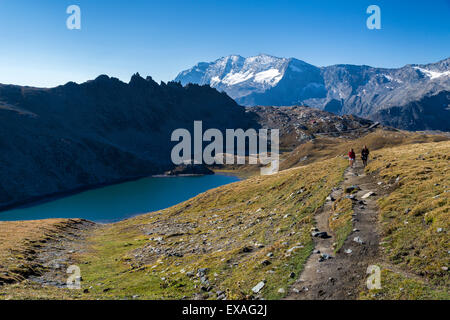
column 342, row 276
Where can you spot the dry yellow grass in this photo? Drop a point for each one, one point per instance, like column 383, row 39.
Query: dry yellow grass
column 325, row 147
column 19, row 241
column 340, row 221
column 415, row 219
column 244, row 232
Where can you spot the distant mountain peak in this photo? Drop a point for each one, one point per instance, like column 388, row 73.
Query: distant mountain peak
column 238, row 74
column 264, row 79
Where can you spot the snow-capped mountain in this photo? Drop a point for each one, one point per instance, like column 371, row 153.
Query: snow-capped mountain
column 242, row 78
column 415, row 97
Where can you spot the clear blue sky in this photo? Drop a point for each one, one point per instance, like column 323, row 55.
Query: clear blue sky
column 161, row 38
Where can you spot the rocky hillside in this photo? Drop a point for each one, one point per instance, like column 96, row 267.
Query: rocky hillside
column 414, row 97
column 253, row 239
column 99, row 132
column 103, row 131
column 300, row 124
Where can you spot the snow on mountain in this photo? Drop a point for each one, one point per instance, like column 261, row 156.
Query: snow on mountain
column 344, row 89
column 433, row 74
column 237, row 75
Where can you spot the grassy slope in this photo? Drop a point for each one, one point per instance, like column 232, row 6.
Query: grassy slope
column 341, row 220
column 415, row 221
column 264, row 214
column 267, row 214
column 152, row 255
column 327, row 147
column 19, row 240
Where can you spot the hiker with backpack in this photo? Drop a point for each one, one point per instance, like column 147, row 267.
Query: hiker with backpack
column 351, row 157
column 365, row 155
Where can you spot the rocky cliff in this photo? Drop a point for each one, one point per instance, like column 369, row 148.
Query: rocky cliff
column 103, row 131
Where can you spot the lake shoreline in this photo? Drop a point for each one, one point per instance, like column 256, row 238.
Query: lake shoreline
column 42, row 199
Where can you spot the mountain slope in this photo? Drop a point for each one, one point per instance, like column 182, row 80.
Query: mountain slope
column 224, row 242
column 299, row 124
column 344, row 89
column 99, row 132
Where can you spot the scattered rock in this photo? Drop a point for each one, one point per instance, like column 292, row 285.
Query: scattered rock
column 358, row 240
column 348, row 251
column 258, row 287
column 368, row 194
column 202, row 271
column 281, row 290
column 246, row 249
column 322, row 235
column 295, row 248
column 266, row 263
column 324, row 257
column 352, row 188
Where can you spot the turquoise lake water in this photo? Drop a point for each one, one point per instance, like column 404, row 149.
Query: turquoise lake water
column 121, row 201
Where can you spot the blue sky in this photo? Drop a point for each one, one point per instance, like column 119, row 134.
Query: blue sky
column 161, row 38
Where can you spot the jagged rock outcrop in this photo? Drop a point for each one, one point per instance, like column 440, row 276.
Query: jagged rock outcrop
column 99, row 132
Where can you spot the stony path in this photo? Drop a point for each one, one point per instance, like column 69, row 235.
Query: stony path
column 58, row 254
column 344, row 275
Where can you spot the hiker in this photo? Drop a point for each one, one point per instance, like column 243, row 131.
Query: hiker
column 351, row 157
column 365, row 155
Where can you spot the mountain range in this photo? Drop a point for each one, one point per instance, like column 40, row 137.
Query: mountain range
column 414, row 97
column 103, row 131
column 77, row 136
